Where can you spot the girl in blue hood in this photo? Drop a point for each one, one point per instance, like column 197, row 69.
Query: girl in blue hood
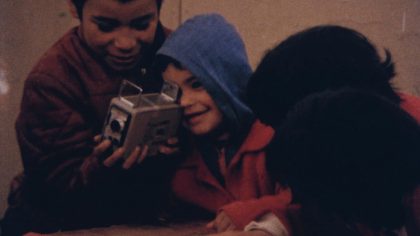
column 224, row 171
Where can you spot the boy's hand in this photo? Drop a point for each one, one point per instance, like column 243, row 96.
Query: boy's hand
column 170, row 147
column 136, row 156
column 221, row 223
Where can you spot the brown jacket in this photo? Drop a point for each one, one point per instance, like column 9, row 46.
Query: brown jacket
column 65, row 101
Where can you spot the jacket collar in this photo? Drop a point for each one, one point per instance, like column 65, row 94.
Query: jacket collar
column 258, row 138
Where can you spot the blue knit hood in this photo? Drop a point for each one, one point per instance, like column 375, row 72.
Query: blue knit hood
column 212, row 50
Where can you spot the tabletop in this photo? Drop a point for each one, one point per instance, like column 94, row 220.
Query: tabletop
column 185, row 229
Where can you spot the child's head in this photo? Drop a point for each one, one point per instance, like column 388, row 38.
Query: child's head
column 319, row 58
column 353, row 154
column 206, row 58
column 201, row 114
column 120, row 32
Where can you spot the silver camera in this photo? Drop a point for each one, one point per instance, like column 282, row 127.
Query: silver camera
column 142, row 119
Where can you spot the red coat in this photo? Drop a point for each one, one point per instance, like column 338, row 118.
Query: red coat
column 248, row 191
column 411, row 104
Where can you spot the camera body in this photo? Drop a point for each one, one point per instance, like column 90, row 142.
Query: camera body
column 142, row 119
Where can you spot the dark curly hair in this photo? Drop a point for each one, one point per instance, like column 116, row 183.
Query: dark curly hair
column 319, row 58
column 351, row 153
column 80, row 3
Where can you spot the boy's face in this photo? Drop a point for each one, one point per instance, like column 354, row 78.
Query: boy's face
column 201, row 114
column 120, row 32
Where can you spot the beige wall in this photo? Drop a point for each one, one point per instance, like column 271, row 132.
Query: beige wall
column 29, row 27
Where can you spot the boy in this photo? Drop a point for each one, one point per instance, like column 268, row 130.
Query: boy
column 69, row 181
column 223, row 174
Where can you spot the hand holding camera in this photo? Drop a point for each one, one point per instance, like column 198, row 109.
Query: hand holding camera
column 142, row 125
column 103, row 145
column 137, row 156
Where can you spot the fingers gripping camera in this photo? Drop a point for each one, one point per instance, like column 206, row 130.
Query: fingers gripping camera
column 142, row 119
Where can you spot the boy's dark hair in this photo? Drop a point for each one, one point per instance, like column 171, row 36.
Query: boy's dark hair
column 351, row 153
column 319, row 58
column 80, row 3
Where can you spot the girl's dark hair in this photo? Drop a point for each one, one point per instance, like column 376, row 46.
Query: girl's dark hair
column 80, row 3
column 319, row 58
column 162, row 62
column 351, row 153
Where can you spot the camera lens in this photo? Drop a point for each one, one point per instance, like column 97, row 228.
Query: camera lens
column 116, row 125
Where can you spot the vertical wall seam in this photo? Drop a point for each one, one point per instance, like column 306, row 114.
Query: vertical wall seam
column 180, row 13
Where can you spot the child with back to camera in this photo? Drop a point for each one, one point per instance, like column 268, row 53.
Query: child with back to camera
column 313, row 60
column 351, row 159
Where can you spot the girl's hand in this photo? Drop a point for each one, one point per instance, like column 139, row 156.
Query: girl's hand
column 170, row 147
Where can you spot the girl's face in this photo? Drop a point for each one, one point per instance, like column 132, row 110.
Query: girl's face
column 201, row 114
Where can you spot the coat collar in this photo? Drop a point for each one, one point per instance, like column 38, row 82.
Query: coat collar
column 257, row 139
